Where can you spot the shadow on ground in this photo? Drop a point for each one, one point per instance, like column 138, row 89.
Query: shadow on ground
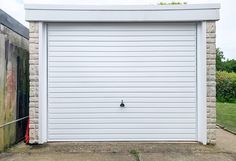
column 225, row 150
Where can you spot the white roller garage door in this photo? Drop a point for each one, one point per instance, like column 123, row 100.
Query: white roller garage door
column 92, row 67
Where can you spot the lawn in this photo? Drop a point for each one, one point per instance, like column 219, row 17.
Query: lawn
column 226, row 115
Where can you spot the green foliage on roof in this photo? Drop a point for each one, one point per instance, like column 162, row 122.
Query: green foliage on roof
column 172, row 3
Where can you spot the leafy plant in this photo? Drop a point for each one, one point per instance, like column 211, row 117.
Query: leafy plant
column 219, row 60
column 225, row 86
column 135, row 153
column 228, row 65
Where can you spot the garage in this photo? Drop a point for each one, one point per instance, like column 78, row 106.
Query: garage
column 92, row 68
column 122, row 73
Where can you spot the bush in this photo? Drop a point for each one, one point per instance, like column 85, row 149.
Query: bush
column 225, row 86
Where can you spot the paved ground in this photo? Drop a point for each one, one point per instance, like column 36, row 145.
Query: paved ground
column 225, row 150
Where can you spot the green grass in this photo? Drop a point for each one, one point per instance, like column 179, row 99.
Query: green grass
column 226, row 115
column 135, row 153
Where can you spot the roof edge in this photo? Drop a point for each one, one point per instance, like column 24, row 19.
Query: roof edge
column 121, row 7
column 122, row 13
column 13, row 24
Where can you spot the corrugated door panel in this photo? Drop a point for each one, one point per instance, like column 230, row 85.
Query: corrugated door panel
column 92, row 67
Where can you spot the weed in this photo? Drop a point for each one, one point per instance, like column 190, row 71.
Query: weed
column 135, row 153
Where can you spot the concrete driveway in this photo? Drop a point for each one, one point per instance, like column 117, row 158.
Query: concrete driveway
column 126, row 151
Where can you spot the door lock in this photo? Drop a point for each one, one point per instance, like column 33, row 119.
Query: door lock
column 122, row 104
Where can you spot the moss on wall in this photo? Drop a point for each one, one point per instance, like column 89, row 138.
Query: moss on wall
column 14, row 85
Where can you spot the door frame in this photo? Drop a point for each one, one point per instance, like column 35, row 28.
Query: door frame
column 201, row 91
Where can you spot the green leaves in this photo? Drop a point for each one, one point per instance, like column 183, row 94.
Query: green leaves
column 225, row 86
column 228, row 65
column 172, row 3
column 225, row 78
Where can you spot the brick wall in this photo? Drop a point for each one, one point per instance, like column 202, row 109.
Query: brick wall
column 211, row 84
column 34, row 79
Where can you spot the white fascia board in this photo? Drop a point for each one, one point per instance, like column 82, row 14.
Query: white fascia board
column 125, row 13
column 122, row 7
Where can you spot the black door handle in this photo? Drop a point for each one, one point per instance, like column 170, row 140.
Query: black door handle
column 122, row 104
